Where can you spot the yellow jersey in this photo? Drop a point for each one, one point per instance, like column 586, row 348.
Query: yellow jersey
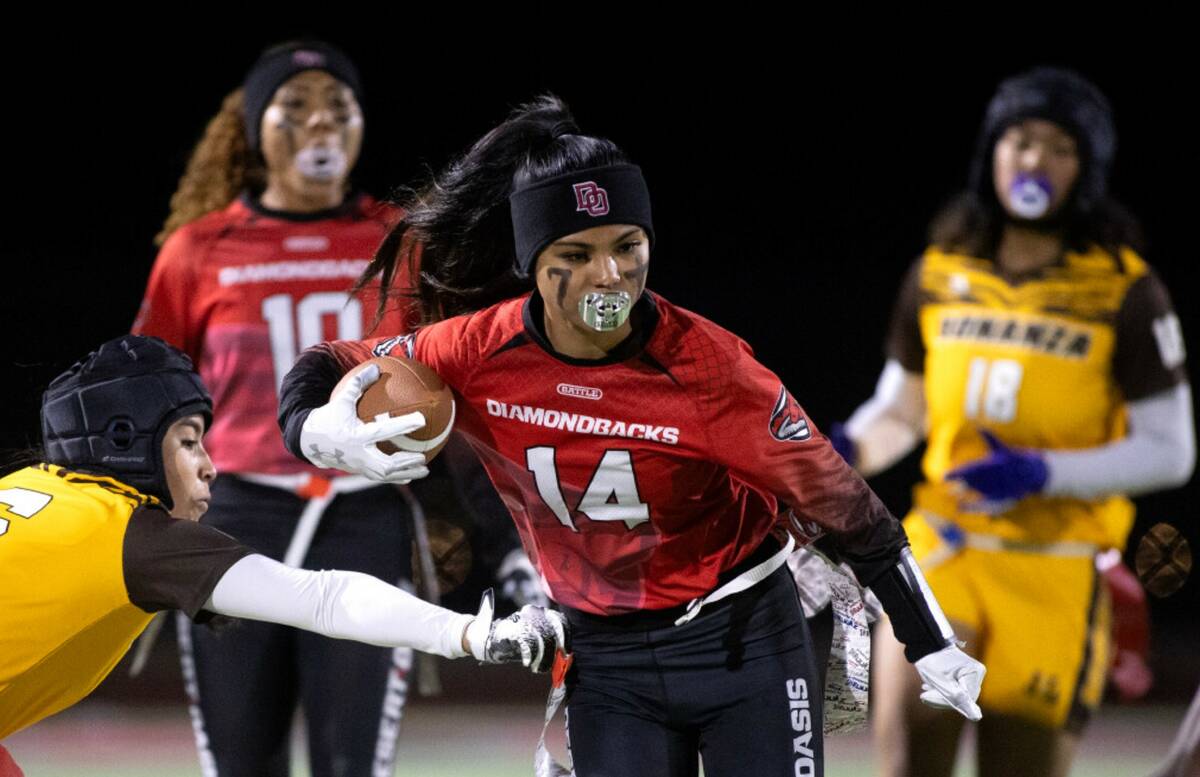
column 84, row 562
column 1046, row 361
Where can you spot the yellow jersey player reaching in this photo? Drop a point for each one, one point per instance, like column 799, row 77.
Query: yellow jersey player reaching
column 1041, row 356
column 88, row 550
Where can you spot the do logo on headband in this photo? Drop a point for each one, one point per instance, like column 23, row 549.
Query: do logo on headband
column 591, row 198
column 308, row 58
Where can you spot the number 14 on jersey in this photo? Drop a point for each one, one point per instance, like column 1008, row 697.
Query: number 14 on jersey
column 612, row 494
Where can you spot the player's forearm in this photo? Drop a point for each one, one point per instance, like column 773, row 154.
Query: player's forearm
column 306, row 386
column 343, row 605
column 891, row 423
column 1159, row 452
column 914, row 612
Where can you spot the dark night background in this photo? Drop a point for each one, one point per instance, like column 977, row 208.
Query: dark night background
column 791, row 189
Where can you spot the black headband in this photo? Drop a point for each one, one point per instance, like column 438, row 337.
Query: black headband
column 576, row 201
column 280, row 63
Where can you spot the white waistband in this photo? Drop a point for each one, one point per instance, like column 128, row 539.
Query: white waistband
column 747, row 579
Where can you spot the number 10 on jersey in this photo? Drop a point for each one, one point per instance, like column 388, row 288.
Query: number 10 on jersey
column 612, row 494
column 294, row 327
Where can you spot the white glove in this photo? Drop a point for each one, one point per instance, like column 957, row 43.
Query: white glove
column 950, row 679
column 531, row 635
column 334, row 437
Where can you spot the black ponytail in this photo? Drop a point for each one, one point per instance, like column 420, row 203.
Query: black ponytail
column 456, row 239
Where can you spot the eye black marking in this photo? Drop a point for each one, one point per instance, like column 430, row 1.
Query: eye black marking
column 564, row 277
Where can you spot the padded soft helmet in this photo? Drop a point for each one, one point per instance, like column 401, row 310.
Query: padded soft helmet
column 1070, row 101
column 110, row 412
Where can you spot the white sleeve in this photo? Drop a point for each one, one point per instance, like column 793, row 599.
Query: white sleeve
column 343, row 605
column 892, row 422
column 1158, row 452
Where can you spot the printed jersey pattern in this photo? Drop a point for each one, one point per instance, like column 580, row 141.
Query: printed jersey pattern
column 243, row 292
column 1045, row 362
column 635, row 481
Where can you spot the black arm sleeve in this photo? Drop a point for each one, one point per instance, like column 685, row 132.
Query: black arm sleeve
column 173, row 564
column 910, row 606
column 306, row 386
column 894, row 577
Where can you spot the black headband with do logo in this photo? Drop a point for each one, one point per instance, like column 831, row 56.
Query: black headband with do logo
column 280, row 63
column 576, row 201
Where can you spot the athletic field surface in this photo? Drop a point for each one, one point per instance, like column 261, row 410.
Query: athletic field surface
column 441, row 739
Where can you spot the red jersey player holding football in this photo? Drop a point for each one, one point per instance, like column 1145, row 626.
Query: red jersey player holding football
column 653, row 467
column 263, row 242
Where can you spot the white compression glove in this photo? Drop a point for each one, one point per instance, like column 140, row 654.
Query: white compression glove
column 530, row 635
column 950, row 679
column 334, row 437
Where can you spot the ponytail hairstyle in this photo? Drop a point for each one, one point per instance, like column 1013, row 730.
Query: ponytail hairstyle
column 458, row 228
column 220, row 168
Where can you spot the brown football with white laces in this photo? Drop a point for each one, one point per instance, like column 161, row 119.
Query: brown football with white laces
column 406, row 386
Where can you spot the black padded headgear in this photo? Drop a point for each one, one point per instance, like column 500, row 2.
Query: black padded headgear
column 110, row 412
column 1070, row 101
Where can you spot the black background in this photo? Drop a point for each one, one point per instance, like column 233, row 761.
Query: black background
column 793, row 171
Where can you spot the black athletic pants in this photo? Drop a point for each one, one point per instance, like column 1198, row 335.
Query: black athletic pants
column 736, row 685
column 246, row 680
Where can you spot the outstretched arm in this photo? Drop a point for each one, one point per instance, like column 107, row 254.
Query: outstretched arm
column 887, row 427
column 352, row 605
column 1159, row 452
column 343, row 605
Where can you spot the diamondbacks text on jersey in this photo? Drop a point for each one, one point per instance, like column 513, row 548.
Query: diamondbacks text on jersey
column 637, row 479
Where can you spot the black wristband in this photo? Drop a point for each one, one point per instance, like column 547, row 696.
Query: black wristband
column 916, row 617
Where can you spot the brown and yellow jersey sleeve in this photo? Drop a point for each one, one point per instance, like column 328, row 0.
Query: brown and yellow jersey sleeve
column 171, row 564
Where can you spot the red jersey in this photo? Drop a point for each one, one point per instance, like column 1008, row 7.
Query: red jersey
column 637, row 479
column 243, row 291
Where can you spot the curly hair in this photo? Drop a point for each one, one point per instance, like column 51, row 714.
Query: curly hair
column 220, row 167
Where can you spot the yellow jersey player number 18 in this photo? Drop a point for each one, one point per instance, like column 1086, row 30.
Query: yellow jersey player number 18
column 1044, row 358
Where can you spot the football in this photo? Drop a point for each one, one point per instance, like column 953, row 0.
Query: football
column 1163, row 560
column 406, row 386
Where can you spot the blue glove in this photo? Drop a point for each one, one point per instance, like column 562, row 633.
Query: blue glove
column 842, row 443
column 1005, row 474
